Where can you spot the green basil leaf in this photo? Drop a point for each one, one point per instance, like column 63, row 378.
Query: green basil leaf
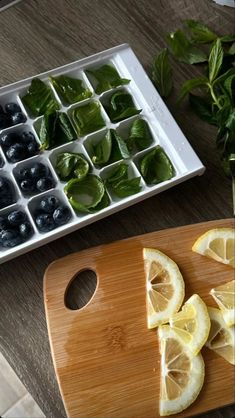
column 87, row 118
column 70, row 90
column 228, row 85
column 200, row 33
column 39, row 98
column 126, row 187
column 228, row 38
column 140, row 136
column 224, row 76
column 118, row 173
column 192, row 84
column 121, row 106
column 156, row 167
column 162, row 74
column 55, row 129
column 105, row 201
column 102, row 150
column 215, row 60
column 231, row 50
column 183, row 49
column 230, row 123
column 119, row 147
column 70, row 165
column 86, row 194
column 107, row 77
column 202, row 108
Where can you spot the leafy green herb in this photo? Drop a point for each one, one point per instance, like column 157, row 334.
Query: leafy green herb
column 109, row 149
column 70, row 90
column 87, row 118
column 55, row 129
column 107, row 78
column 183, row 49
column 156, row 167
column 87, row 195
column 39, row 98
column 162, row 74
column 120, row 184
column 121, row 106
column 215, row 99
column 140, row 136
column 71, row 165
column 200, row 33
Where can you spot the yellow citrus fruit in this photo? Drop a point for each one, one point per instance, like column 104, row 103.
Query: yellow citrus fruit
column 182, row 373
column 165, row 287
column 218, row 244
column 224, row 296
column 221, row 338
column 192, row 324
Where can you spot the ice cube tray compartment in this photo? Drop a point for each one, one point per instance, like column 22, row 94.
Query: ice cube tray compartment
column 165, row 132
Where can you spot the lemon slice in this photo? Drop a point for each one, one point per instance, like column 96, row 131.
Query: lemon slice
column 182, row 373
column 192, row 324
column 224, row 296
column 218, row 244
column 221, row 338
column 165, row 287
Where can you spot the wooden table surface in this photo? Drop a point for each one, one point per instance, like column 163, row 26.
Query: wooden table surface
column 38, row 35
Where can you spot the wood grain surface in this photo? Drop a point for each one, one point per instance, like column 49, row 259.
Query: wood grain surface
column 37, row 35
column 106, row 360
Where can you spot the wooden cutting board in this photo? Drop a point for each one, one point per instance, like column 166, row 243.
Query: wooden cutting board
column 105, row 358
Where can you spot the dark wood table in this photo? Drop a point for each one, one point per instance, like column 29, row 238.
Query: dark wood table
column 37, row 35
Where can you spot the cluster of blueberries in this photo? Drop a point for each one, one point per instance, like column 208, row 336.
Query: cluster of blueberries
column 35, row 178
column 11, row 115
column 7, row 194
column 51, row 214
column 15, row 228
column 18, row 146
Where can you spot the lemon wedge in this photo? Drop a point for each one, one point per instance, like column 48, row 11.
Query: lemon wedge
column 192, row 324
column 224, row 296
column 218, row 244
column 221, row 338
column 182, row 373
column 165, row 287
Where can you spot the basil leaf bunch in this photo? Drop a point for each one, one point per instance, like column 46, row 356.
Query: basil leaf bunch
column 87, row 195
column 121, row 106
column 120, row 184
column 39, row 98
column 107, row 78
column 109, row 149
column 55, row 129
column 87, row 118
column 70, row 90
column 72, row 165
column 162, row 73
column 156, row 166
column 140, row 136
column 211, row 94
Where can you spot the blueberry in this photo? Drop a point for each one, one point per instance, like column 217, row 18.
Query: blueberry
column 24, row 173
column 27, row 185
column 48, row 204
column 10, row 238
column 45, row 222
column 16, row 217
column 16, row 153
column 18, row 117
column 32, row 147
column 6, row 201
column 3, row 223
column 44, row 184
column 25, row 229
column 39, row 170
column 8, row 139
column 4, row 121
column 1, row 162
column 27, row 137
column 61, row 215
column 12, row 108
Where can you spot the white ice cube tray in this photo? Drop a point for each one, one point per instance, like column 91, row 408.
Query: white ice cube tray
column 164, row 129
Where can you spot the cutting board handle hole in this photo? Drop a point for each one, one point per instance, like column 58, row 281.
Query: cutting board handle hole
column 80, row 289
